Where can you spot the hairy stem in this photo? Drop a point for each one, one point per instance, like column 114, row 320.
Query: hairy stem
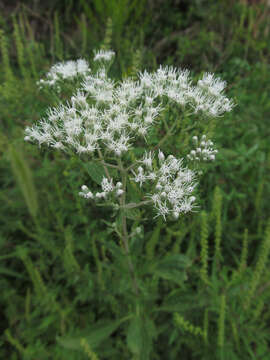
column 103, row 163
column 135, row 205
column 124, row 230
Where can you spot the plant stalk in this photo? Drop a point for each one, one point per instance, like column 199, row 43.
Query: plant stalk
column 124, row 231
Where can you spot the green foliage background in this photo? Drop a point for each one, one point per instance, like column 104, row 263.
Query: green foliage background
column 65, row 290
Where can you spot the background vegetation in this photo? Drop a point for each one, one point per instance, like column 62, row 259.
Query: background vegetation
column 64, row 292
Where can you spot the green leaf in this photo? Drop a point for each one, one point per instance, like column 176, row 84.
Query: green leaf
column 141, row 332
column 95, row 170
column 133, row 191
column 8, row 272
column 45, row 323
column 94, row 335
column 23, row 176
column 133, row 214
column 134, row 338
column 152, row 242
column 172, row 267
column 178, row 300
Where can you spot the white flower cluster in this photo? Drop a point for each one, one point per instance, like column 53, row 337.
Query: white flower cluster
column 107, row 188
column 203, row 151
column 173, row 184
column 109, row 114
column 65, row 70
column 206, row 97
column 104, row 55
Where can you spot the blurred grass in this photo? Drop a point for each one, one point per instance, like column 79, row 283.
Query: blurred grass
column 56, row 253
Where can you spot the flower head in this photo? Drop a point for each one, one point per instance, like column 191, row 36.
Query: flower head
column 104, row 55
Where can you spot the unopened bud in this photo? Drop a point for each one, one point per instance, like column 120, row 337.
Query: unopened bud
column 163, row 194
column 138, row 230
column 119, row 192
column 90, row 195
column 161, row 156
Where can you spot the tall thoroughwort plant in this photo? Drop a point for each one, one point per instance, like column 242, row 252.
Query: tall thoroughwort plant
column 105, row 120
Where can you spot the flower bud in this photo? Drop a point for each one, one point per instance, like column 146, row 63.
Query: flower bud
column 119, row 192
column 138, row 230
column 89, row 195
column 118, row 185
column 84, row 188
column 161, row 156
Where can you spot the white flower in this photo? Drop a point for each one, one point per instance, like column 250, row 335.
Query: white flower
column 119, row 192
column 163, row 210
column 140, row 177
column 65, row 70
column 118, row 185
column 213, row 85
column 161, row 156
column 174, row 186
column 86, row 193
column 147, row 159
column 105, row 55
column 107, row 185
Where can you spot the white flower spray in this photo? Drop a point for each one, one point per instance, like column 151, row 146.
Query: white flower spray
column 104, row 118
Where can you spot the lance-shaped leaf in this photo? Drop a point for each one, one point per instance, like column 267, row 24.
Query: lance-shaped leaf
column 94, row 335
column 140, row 335
column 95, row 170
column 172, row 267
column 23, row 176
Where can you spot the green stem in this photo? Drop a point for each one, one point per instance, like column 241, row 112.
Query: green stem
column 169, row 133
column 103, row 163
column 124, row 234
column 135, row 205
